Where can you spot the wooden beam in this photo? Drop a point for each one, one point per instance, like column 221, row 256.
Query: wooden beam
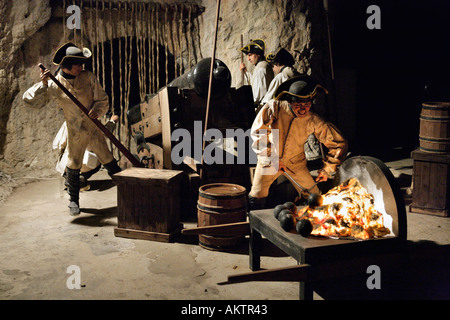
column 229, row 229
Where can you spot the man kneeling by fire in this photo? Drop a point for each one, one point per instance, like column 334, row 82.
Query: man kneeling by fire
column 289, row 116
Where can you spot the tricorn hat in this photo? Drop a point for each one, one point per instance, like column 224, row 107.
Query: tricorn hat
column 282, row 56
column 300, row 88
column 255, row 46
column 70, row 51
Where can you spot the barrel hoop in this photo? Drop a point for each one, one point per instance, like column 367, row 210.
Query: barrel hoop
column 432, row 150
column 434, row 139
column 436, row 108
column 218, row 210
column 437, row 119
column 220, row 196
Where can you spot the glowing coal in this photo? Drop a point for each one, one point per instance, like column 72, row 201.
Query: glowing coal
column 347, row 210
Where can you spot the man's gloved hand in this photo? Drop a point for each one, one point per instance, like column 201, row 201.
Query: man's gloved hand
column 322, row 176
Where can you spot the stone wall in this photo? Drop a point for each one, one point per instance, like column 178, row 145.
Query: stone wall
column 298, row 26
column 30, row 33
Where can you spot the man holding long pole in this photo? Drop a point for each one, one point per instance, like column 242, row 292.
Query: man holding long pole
column 82, row 131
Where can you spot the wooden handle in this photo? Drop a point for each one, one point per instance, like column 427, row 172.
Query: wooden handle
column 108, row 133
column 230, row 229
column 242, row 58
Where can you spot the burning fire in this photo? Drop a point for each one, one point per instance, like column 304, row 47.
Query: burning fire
column 346, row 211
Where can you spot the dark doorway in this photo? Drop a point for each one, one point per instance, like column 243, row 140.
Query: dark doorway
column 112, row 79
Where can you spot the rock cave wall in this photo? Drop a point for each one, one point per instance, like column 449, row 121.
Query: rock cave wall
column 30, row 32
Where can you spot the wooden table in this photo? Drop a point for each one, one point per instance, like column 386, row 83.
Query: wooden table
column 329, row 256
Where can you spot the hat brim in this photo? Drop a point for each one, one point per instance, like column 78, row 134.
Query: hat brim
column 282, row 56
column 254, row 47
column 283, row 89
column 60, row 54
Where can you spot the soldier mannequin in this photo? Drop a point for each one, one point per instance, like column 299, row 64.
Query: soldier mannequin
column 262, row 74
column 290, row 115
column 82, row 133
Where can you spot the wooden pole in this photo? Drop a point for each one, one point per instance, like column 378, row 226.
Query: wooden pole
column 210, row 83
column 242, row 58
column 108, row 133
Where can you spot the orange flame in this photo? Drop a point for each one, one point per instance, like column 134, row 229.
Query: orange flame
column 347, row 211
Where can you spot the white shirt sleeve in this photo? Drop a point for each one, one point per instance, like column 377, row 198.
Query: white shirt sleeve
column 37, row 96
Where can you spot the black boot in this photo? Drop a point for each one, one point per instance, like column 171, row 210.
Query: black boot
column 256, row 203
column 90, row 173
column 73, row 178
column 112, row 168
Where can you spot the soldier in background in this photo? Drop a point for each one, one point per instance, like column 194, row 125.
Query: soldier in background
column 262, row 74
column 283, row 67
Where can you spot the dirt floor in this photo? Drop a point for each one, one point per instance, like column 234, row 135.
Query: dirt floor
column 39, row 241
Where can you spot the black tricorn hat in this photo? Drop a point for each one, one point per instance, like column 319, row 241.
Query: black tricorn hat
column 301, row 88
column 70, row 51
column 255, row 46
column 282, row 56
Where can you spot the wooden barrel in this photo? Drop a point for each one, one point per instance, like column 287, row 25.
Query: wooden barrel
column 221, row 203
column 434, row 133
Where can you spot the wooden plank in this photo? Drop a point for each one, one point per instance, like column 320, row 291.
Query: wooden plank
column 150, row 107
column 437, row 187
column 166, row 126
column 156, row 152
column 324, row 271
column 137, row 127
column 312, row 247
column 286, row 274
column 431, row 183
column 148, row 235
column 434, row 212
column 146, row 176
column 229, row 229
column 152, row 126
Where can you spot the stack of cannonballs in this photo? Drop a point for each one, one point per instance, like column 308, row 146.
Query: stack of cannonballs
column 287, row 215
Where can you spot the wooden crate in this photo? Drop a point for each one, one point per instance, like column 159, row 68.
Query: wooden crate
column 431, row 177
column 148, row 203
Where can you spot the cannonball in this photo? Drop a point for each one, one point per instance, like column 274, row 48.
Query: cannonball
column 291, row 206
column 283, row 213
column 287, row 221
column 278, row 209
column 304, row 227
column 315, row 200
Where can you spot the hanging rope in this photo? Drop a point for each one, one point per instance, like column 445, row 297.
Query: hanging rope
column 111, row 47
column 149, row 46
column 103, row 47
column 142, row 48
column 188, row 33
column 120, row 61
column 137, row 31
column 157, row 46
column 97, row 61
column 166, row 47
column 180, row 37
column 64, row 21
column 91, row 36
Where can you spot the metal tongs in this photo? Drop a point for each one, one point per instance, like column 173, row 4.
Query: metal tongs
column 307, row 191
